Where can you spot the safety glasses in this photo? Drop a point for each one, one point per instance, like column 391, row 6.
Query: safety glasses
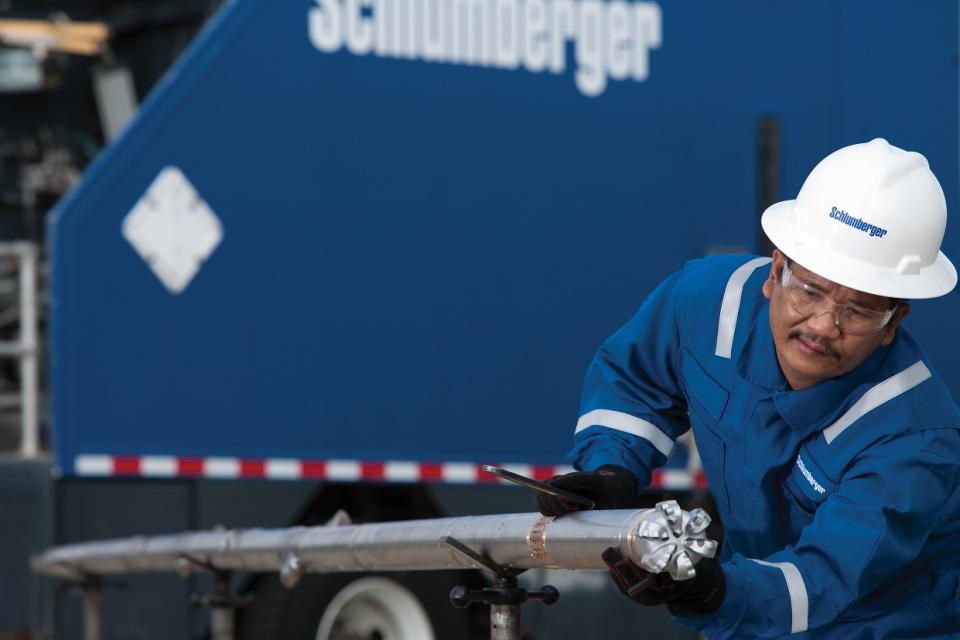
column 810, row 302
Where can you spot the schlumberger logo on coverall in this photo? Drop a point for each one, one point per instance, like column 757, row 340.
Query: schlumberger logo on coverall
column 612, row 40
column 856, row 223
column 809, row 476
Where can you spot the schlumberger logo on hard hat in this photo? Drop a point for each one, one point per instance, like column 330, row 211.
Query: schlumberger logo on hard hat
column 857, row 223
column 612, row 40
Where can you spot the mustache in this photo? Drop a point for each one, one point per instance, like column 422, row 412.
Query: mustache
column 817, row 340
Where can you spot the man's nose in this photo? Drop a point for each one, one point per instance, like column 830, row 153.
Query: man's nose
column 824, row 323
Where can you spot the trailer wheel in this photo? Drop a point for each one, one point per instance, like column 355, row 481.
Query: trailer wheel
column 411, row 605
column 375, row 608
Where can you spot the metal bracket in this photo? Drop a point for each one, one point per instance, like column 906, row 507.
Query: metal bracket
column 222, row 597
column 221, row 603
column 504, row 596
column 483, row 559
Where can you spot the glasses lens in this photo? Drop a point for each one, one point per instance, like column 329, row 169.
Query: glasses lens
column 808, row 302
column 860, row 322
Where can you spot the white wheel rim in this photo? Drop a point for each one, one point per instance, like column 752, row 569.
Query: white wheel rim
column 375, row 609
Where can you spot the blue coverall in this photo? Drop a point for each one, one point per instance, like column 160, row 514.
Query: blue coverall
column 839, row 502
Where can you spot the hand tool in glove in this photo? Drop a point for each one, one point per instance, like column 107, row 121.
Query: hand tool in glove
column 542, row 487
column 610, row 486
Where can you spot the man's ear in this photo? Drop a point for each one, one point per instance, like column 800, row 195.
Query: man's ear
column 890, row 331
column 776, row 267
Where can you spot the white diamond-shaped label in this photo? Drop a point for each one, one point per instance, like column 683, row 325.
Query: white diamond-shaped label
column 173, row 229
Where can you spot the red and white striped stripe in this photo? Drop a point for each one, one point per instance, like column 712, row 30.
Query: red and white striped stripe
column 98, row 465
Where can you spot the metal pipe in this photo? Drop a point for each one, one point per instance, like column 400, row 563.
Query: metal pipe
column 92, row 610
column 505, row 622
column 660, row 540
column 221, row 623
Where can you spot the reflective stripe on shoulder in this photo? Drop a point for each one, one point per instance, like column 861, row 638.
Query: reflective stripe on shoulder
column 877, row 395
column 628, row 424
column 730, row 307
column 799, row 604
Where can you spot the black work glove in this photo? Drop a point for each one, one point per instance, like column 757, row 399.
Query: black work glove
column 697, row 596
column 610, row 486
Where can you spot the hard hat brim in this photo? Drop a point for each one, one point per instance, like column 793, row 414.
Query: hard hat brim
column 779, row 222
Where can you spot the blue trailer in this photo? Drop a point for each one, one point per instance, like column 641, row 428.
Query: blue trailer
column 374, row 243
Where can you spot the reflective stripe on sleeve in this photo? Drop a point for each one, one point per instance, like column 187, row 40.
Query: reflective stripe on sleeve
column 799, row 605
column 628, row 424
column 730, row 307
column 877, row 395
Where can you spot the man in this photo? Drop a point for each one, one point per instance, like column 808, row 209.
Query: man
column 830, row 444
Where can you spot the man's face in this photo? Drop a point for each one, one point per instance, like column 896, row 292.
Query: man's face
column 813, row 349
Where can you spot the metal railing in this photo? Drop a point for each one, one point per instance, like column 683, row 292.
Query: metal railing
column 25, row 347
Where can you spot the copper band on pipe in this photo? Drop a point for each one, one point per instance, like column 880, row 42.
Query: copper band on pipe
column 537, row 542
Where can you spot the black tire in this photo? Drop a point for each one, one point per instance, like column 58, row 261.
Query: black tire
column 280, row 614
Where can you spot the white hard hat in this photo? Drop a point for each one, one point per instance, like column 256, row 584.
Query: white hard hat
column 870, row 217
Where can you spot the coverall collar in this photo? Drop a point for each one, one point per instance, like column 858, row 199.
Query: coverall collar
column 809, row 409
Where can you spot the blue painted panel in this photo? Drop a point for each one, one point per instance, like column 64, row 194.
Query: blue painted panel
column 419, row 259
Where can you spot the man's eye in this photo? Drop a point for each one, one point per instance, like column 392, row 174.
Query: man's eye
column 812, row 294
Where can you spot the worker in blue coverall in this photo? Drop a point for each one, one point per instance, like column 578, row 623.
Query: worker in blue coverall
column 829, row 442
